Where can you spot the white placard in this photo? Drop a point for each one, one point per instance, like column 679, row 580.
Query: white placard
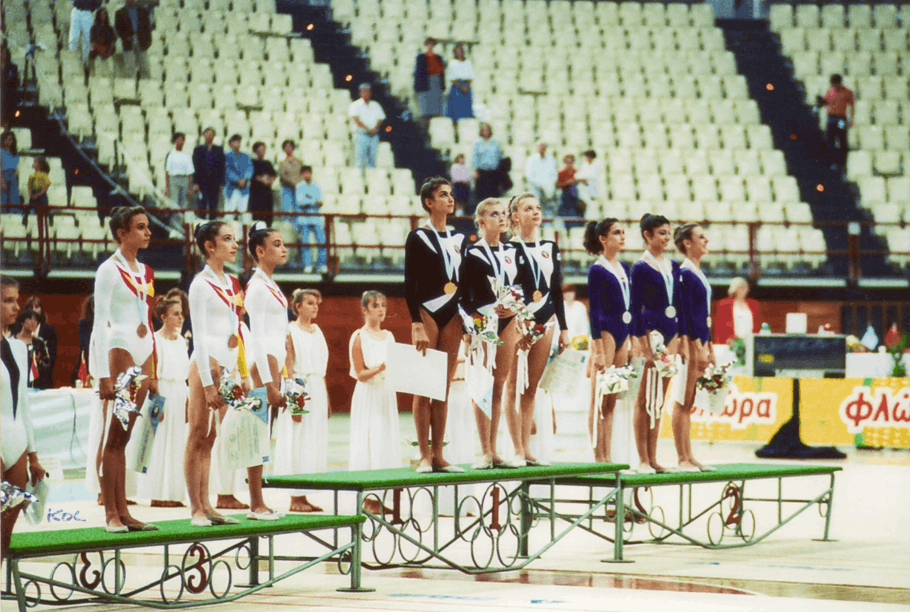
column 479, row 382
column 563, row 373
column 407, row 371
column 797, row 323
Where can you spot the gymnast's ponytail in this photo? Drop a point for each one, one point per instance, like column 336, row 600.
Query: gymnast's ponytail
column 593, row 231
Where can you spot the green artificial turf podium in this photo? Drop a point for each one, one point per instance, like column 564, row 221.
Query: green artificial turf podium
column 730, row 471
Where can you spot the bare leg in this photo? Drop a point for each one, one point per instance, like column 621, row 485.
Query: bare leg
column 199, row 442
column 16, row 475
column 537, row 361
column 421, row 405
column 505, row 357
column 449, row 341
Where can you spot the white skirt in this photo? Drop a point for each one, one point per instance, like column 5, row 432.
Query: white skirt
column 165, row 480
column 375, row 439
column 302, row 448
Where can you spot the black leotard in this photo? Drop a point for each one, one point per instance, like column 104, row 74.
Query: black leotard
column 477, row 274
column 549, row 283
column 425, row 275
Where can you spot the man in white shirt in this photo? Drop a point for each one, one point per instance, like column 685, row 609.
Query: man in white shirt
column 587, row 180
column 178, row 173
column 541, row 174
column 367, row 116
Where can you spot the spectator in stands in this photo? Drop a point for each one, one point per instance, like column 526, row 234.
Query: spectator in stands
column 461, row 184
column 737, row 317
column 178, row 174
column 102, row 36
column 309, row 200
column 368, row 117
column 587, row 180
column 238, row 170
column 81, row 21
column 38, row 183
column 28, row 322
column 209, row 165
column 9, row 177
column 429, row 82
column 485, row 161
column 541, row 175
column 86, row 320
column 289, row 172
column 461, row 73
column 9, row 88
column 135, row 31
column 264, row 175
column 46, row 332
column 569, row 204
column 840, row 104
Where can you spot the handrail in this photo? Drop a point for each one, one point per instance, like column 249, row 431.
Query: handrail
column 47, row 241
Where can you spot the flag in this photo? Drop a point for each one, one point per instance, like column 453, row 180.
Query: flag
column 870, row 339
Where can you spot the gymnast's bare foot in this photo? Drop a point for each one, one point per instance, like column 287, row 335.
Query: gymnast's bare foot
column 229, row 502
column 161, row 503
column 658, row 468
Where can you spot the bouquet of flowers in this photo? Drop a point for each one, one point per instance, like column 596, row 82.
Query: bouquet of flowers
column 716, row 383
column 483, row 328
column 738, row 347
column 664, row 362
column 615, row 380
column 510, row 297
column 125, row 390
column 233, row 395
column 296, row 395
column 11, row 496
column 581, row 343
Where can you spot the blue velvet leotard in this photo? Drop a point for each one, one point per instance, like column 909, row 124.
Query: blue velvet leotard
column 649, row 302
column 605, row 304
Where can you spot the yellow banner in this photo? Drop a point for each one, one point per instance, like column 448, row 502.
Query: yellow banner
column 753, row 412
column 856, row 411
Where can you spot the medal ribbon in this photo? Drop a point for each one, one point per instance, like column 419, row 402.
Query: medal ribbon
column 268, row 283
column 532, row 261
column 689, row 265
column 447, row 258
column 140, row 287
column 621, row 277
column 227, row 295
column 498, row 269
column 667, row 275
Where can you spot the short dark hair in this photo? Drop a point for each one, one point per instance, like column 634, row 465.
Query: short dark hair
column 306, row 169
column 590, row 153
column 8, row 281
column 235, row 138
column 177, row 136
column 650, row 222
column 122, row 218
column 28, row 313
column 42, row 164
column 288, row 142
column 428, row 190
column 836, row 79
column 258, row 144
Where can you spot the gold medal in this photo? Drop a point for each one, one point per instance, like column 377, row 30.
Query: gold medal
column 449, row 288
column 233, row 341
column 537, row 296
column 142, row 330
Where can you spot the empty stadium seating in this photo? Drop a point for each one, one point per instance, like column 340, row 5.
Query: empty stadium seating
column 869, row 46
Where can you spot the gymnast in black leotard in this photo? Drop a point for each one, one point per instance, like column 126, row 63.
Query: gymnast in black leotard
column 489, row 262
column 432, row 258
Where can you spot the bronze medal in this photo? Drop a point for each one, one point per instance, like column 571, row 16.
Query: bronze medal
column 142, row 330
column 233, row 341
column 537, row 296
column 449, row 288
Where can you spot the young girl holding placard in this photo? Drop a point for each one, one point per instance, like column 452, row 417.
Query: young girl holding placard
column 164, row 483
column 375, row 441
column 302, row 440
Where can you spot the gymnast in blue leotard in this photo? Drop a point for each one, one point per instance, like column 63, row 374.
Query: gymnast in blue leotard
column 691, row 241
column 656, row 306
column 609, row 308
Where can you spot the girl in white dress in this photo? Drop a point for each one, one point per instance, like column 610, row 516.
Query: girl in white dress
column 302, row 440
column 164, row 484
column 375, row 442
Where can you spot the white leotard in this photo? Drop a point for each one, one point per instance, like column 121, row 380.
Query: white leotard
column 214, row 312
column 18, row 435
column 268, row 310
column 121, row 307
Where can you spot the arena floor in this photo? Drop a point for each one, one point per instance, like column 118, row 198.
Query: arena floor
column 866, row 568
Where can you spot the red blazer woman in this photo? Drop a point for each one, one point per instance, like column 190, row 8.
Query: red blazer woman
column 723, row 321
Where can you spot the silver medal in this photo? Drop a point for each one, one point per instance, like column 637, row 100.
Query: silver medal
column 670, row 312
column 627, row 317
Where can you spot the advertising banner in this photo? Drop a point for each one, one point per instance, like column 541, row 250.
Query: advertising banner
column 754, row 410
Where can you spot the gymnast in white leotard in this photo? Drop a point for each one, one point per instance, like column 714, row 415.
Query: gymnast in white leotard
column 215, row 316
column 122, row 334
column 268, row 310
column 19, row 458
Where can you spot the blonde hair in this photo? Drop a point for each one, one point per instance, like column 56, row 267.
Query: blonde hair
column 482, row 209
column 172, row 297
column 299, row 294
column 737, row 283
column 514, row 203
